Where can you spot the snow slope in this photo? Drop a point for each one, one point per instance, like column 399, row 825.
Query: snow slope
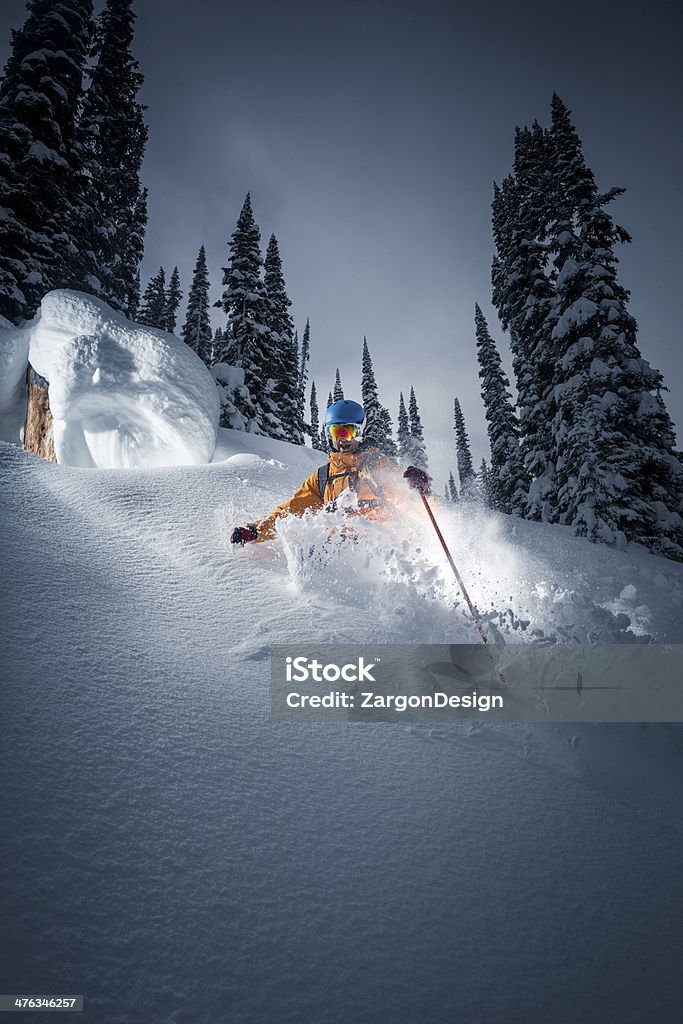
column 175, row 857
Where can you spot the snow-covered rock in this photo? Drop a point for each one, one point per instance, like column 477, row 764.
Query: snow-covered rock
column 121, row 394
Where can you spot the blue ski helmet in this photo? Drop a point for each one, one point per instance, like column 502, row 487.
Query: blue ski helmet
column 344, row 411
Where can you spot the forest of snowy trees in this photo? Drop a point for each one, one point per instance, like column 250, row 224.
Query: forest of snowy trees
column 585, row 441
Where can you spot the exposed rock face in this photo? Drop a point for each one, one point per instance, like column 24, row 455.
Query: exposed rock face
column 38, row 434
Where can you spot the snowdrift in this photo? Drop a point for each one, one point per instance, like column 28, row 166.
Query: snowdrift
column 121, row 394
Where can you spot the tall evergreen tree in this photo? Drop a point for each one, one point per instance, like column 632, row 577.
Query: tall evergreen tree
column 378, row 429
column 196, row 331
column 114, row 139
column 153, row 307
column 303, row 359
column 283, row 364
column 488, row 491
column 522, row 293
column 617, row 474
column 452, row 489
column 174, row 297
column 338, row 392
column 315, row 421
column 217, row 346
column 247, row 341
column 324, row 440
column 511, row 482
column 418, row 448
column 463, row 453
column 403, row 435
column 40, row 181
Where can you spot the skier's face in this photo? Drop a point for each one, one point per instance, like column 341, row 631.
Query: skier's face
column 344, row 437
column 347, row 445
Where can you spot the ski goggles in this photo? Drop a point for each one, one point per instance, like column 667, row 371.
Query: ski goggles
column 344, row 431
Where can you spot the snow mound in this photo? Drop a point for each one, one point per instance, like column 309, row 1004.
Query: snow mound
column 122, row 395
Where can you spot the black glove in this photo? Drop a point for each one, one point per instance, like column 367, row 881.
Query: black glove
column 417, row 479
column 243, row 534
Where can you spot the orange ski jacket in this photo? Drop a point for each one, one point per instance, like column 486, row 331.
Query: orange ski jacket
column 376, row 480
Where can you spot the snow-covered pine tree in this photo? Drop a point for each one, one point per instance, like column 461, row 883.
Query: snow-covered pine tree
column 216, row 346
column 174, row 297
column 338, row 392
column 196, row 331
column 324, row 440
column 247, row 337
column 41, row 198
column 445, row 493
column 315, row 421
column 283, row 366
column 404, row 450
column 303, row 366
column 114, row 138
column 418, row 449
column 522, row 294
column 507, row 471
column 463, row 453
column 486, row 487
column 378, row 428
column 153, row 306
column 617, row 473
column 452, row 489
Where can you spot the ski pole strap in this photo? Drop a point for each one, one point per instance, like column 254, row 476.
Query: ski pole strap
column 323, row 474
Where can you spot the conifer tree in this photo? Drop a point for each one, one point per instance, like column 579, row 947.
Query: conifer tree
column 486, row 487
column 41, row 197
column 303, row 360
column 173, row 299
column 315, row 421
column 114, row 138
column 403, row 435
column 463, row 453
column 418, row 450
column 217, row 346
column 511, row 483
column 324, row 440
column 247, row 341
column 452, row 489
column 283, row 365
column 153, row 307
column 338, row 393
column 196, row 331
column 522, row 293
column 378, row 430
column 617, row 474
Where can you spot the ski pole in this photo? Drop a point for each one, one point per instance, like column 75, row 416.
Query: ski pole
column 473, row 613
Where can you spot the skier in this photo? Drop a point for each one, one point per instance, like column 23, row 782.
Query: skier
column 374, row 479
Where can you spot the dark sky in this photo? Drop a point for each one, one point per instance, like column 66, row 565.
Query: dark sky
column 369, row 135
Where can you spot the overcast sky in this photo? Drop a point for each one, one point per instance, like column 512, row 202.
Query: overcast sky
column 369, row 134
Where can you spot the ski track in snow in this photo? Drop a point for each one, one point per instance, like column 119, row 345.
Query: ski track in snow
column 178, row 858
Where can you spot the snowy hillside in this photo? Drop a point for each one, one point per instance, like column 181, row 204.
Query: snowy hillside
column 175, row 857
